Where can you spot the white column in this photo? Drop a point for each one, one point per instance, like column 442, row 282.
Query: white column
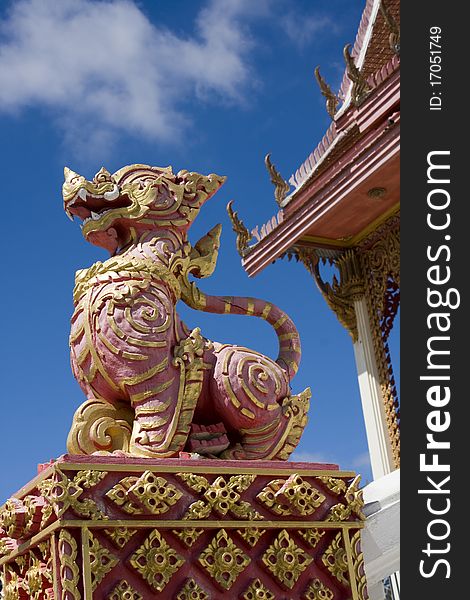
column 371, row 396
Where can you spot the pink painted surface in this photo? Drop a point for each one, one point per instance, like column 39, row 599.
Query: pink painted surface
column 130, row 348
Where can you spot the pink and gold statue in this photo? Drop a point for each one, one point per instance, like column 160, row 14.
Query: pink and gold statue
column 154, row 388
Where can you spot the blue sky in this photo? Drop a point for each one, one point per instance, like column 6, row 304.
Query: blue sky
column 210, row 86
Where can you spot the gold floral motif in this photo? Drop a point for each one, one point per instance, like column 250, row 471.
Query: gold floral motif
column 251, row 535
column 21, row 562
column 335, row 559
column 358, row 566
column 301, row 497
column 155, row 493
column 156, row 561
column 223, row 560
column 292, row 496
column 101, row 561
column 267, row 496
column 317, row 590
column 188, row 536
column 286, row 560
column 118, row 494
column 123, row 591
column 312, row 536
column 337, row 486
column 63, row 493
column 32, row 582
column 6, row 546
column 192, row 591
column 11, row 589
column 120, row 535
column 221, row 495
column 257, row 591
column 69, row 571
column 354, row 503
column 21, row 518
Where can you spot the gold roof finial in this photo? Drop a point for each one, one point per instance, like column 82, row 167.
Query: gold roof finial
column 281, row 187
column 243, row 235
column 360, row 87
column 332, row 99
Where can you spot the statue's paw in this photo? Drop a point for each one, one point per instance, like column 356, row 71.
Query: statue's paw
column 236, row 452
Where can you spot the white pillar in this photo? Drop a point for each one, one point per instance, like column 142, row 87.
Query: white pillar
column 380, row 450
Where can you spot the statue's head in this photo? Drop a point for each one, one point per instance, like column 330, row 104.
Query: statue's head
column 134, row 199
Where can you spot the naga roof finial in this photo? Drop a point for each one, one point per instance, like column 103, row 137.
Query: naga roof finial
column 332, row 99
column 243, row 235
column 281, row 188
column 360, row 87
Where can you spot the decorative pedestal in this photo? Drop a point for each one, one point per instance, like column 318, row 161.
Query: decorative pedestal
column 130, row 529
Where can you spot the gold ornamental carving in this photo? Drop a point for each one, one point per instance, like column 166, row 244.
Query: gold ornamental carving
column 312, row 536
column 354, row 503
column 332, row 99
column 188, row 536
column 221, row 496
column 281, row 187
column 11, row 590
column 258, row 591
column 381, row 261
column 101, row 561
column 63, row 493
column 251, row 535
column 21, row 519
column 33, row 580
column 243, row 235
column 192, row 591
column 99, row 424
column 335, row 485
column 124, row 591
column 286, row 560
column 147, row 493
column 360, row 87
column 120, row 535
column 69, row 571
column 223, row 560
column 358, row 566
column 317, row 590
column 292, row 496
column 335, row 559
column 341, row 294
column 156, row 561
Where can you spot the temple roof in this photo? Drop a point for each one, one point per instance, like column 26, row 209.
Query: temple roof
column 349, row 184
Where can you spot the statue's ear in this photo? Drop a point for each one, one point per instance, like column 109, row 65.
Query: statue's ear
column 205, row 252
column 199, row 188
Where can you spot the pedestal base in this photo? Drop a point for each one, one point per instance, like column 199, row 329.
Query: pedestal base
column 130, row 529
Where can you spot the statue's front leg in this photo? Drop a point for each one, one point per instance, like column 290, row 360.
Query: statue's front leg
column 158, row 402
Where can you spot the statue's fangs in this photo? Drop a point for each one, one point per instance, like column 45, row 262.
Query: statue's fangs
column 154, row 388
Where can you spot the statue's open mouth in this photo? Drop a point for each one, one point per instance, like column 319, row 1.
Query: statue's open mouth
column 90, row 207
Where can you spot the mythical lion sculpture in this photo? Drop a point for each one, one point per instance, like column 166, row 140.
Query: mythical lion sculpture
column 154, row 388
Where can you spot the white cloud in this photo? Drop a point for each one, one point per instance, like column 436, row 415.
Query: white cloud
column 103, row 67
column 302, row 29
